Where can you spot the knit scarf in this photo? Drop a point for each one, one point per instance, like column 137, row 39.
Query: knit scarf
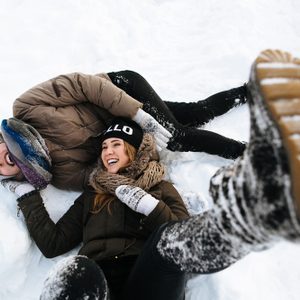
column 28, row 150
column 144, row 172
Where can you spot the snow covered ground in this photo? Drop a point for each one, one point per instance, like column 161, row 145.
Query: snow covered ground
column 187, row 50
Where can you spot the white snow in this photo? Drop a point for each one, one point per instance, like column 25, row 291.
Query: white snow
column 187, row 50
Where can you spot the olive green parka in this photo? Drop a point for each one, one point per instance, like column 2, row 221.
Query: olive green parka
column 104, row 236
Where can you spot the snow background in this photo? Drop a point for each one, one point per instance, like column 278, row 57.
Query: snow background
column 187, row 50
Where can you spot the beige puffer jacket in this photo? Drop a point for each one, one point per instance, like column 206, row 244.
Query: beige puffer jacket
column 70, row 111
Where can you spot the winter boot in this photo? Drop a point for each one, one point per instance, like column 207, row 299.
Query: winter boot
column 75, row 278
column 278, row 75
column 257, row 198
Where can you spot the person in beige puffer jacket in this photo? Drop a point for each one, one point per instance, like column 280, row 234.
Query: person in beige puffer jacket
column 70, row 111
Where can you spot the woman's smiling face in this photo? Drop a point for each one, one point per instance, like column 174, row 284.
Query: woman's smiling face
column 114, row 155
column 7, row 166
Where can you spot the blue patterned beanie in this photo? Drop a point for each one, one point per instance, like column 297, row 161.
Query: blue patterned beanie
column 28, row 150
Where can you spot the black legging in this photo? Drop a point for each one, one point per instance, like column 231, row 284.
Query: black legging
column 154, row 277
column 180, row 118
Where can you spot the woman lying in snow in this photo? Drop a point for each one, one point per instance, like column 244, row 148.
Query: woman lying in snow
column 112, row 233
column 256, row 201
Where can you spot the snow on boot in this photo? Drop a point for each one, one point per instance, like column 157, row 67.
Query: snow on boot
column 76, row 278
column 256, row 199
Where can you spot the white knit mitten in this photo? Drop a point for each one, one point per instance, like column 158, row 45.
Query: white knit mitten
column 20, row 188
column 137, row 199
column 150, row 125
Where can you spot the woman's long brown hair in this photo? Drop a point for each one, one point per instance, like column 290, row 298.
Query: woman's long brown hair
column 103, row 199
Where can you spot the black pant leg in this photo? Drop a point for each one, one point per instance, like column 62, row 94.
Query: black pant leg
column 153, row 277
column 116, row 272
column 185, row 113
column 199, row 140
column 200, row 112
column 137, row 87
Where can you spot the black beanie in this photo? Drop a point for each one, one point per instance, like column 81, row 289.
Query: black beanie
column 125, row 129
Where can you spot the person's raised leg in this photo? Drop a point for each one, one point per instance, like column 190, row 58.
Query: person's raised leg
column 257, row 198
column 192, row 113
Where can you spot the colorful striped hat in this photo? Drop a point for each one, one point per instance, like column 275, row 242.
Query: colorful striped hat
column 28, row 150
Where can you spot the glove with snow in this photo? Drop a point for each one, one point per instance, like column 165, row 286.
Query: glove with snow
column 136, row 198
column 20, row 188
column 150, row 125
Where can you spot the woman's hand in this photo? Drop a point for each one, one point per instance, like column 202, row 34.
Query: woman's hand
column 136, row 198
column 150, row 125
column 20, row 188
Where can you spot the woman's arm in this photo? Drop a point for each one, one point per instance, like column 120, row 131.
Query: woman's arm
column 52, row 239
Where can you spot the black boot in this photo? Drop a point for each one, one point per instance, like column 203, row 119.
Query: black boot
column 257, row 198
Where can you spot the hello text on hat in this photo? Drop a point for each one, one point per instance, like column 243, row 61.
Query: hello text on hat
column 125, row 129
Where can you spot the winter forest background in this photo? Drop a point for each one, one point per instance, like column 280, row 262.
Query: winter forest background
column 187, row 50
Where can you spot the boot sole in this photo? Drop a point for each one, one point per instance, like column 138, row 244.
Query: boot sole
column 278, row 75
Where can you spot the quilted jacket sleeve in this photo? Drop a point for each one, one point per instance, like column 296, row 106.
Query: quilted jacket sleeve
column 76, row 88
column 53, row 239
